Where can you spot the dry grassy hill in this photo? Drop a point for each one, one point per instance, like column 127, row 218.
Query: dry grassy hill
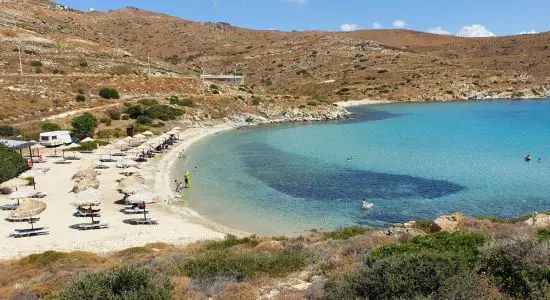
column 106, row 48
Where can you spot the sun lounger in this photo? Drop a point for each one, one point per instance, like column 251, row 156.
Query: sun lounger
column 132, row 210
column 29, row 232
column 25, row 219
column 94, row 225
column 63, row 162
column 72, row 158
column 143, row 221
column 9, row 206
column 83, row 214
column 102, row 167
column 108, row 160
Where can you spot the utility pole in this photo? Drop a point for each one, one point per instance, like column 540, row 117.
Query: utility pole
column 20, row 59
column 148, row 63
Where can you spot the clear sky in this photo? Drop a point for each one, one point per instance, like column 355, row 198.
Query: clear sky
column 459, row 17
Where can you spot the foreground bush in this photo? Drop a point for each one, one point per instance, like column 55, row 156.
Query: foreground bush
column 49, row 126
column 230, row 241
column 246, row 265
column 84, row 125
column 183, row 102
column 121, row 283
column 11, row 163
column 6, row 130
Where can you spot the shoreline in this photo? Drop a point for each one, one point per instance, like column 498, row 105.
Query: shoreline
column 352, row 103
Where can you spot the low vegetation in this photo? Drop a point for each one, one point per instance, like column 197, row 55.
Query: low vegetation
column 11, row 163
column 7, row 130
column 349, row 263
column 157, row 111
column 49, row 126
column 109, row 93
column 183, row 102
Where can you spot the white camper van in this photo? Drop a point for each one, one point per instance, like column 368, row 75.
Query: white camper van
column 55, row 138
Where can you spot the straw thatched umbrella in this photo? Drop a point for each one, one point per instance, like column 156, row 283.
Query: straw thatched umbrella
column 126, row 163
column 63, row 148
column 29, row 208
column 177, row 128
column 37, row 147
column 85, row 174
column 131, row 170
column 87, row 140
column 86, row 184
column 14, row 183
column 134, row 189
column 148, row 133
column 22, row 194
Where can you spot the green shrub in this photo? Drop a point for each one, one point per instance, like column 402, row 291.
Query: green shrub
column 243, row 265
column 49, row 126
column 83, row 64
column 255, row 100
column 114, row 115
column 6, row 130
column 38, row 70
column 89, row 146
column 213, row 87
column 144, row 120
column 230, row 241
column 121, row 283
column 58, row 71
column 302, row 106
column 519, row 267
column 105, row 134
column 80, row 98
column 36, row 63
column 163, row 112
column 134, row 111
column 109, row 93
column 84, row 125
column 140, row 128
column 407, row 276
column 506, row 220
column 267, row 81
column 148, row 102
column 117, row 133
column 184, row 102
column 11, row 163
column 345, row 232
column 312, row 103
column 106, row 121
column 427, row 226
column 174, row 59
column 158, row 124
column 125, row 117
column 543, row 235
column 5, row 191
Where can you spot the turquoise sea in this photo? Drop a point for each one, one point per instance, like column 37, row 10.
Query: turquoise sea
column 413, row 161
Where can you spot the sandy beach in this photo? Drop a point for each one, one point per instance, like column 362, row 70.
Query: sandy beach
column 351, row 103
column 177, row 224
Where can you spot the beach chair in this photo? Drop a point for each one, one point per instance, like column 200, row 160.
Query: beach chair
column 93, row 225
column 63, row 162
column 135, row 210
column 88, row 214
column 145, row 221
column 13, row 206
column 24, row 219
column 18, row 233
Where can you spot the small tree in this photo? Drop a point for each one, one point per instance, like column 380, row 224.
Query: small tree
column 114, row 114
column 49, row 126
column 84, row 125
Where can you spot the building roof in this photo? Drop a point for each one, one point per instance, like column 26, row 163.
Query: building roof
column 13, row 144
column 221, row 77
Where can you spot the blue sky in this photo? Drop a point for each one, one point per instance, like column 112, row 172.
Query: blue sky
column 459, row 17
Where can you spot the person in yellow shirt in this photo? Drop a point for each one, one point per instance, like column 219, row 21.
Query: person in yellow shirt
column 187, row 179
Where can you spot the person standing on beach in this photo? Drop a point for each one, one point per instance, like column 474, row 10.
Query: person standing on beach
column 187, row 179
column 177, row 186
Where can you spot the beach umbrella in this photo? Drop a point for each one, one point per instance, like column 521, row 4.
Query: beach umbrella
column 89, row 196
column 126, row 163
column 86, row 184
column 148, row 133
column 87, row 140
column 177, row 128
column 122, row 144
column 134, row 189
column 22, row 194
column 130, row 181
column 140, row 136
column 63, row 148
column 15, row 183
column 37, row 147
column 29, row 208
column 130, row 171
column 140, row 197
column 85, row 174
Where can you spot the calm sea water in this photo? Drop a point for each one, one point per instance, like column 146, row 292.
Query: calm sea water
column 413, row 161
